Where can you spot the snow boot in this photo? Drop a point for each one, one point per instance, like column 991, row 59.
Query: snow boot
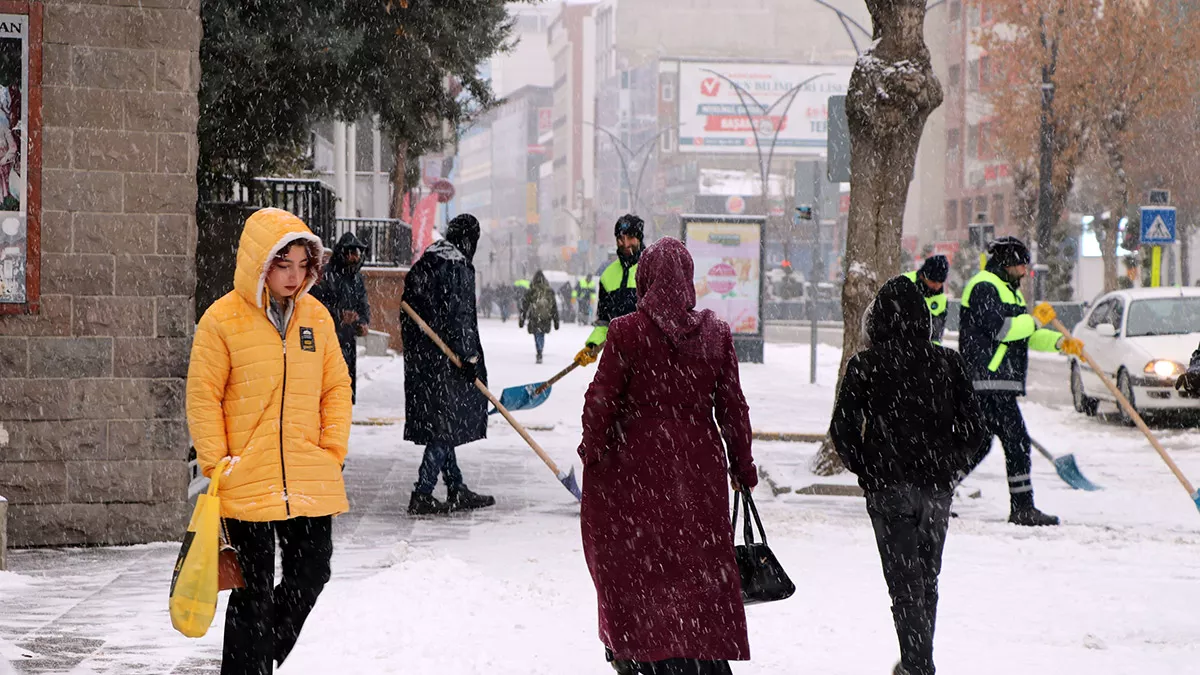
column 899, row 670
column 1031, row 517
column 421, row 504
column 539, row 357
column 463, row 499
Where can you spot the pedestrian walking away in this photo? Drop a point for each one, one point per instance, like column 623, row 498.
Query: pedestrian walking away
column 267, row 386
column 586, row 291
column 931, row 281
column 618, row 285
column 539, row 311
column 665, row 407
column 344, row 293
column 995, row 337
column 907, row 423
column 443, row 408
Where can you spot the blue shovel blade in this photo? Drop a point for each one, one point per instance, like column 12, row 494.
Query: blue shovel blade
column 523, row 397
column 1196, row 498
column 1069, row 471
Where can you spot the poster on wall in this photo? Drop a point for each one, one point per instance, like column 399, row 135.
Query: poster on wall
column 712, row 112
column 728, row 269
column 14, row 157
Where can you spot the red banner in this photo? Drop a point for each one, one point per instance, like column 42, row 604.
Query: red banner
column 423, row 220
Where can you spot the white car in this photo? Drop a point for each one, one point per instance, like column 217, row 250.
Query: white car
column 1143, row 339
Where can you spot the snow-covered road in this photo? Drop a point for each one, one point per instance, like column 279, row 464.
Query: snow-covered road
column 505, row 590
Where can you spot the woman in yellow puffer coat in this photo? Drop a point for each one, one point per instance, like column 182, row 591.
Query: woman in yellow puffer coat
column 268, row 387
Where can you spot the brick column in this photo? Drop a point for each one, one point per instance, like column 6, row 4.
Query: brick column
column 92, row 388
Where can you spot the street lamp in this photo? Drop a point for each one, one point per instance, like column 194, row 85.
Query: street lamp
column 627, row 158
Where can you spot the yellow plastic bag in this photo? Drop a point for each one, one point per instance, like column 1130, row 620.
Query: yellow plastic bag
column 194, row 583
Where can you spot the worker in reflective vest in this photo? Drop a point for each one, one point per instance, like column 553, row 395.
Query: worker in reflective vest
column 587, row 290
column 618, row 285
column 996, row 335
column 931, row 281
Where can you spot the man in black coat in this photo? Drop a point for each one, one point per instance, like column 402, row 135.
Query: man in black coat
column 344, row 294
column 443, row 408
column 906, row 423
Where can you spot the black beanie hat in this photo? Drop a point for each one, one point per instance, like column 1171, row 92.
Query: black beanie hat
column 1007, row 252
column 935, row 268
column 629, row 225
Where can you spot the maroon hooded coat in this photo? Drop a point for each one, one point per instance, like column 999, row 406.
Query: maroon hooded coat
column 655, row 514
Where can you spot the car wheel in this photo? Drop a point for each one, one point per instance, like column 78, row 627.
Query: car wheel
column 1083, row 403
column 1125, row 385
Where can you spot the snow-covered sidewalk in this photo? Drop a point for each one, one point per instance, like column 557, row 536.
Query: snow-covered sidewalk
column 506, row 590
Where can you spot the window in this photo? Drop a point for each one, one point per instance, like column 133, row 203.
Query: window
column 973, row 75
column 968, row 215
column 981, row 208
column 1100, row 314
column 668, row 91
column 985, row 72
column 667, row 142
column 954, row 143
column 955, row 10
column 998, row 210
column 20, row 252
column 973, row 141
column 952, row 215
column 955, row 77
column 973, row 15
column 624, row 79
column 1117, row 313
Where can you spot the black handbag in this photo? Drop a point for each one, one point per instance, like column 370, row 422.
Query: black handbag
column 763, row 578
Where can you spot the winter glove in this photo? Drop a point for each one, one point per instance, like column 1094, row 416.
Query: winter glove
column 1189, row 383
column 470, row 368
column 586, row 356
column 362, row 330
column 1070, row 345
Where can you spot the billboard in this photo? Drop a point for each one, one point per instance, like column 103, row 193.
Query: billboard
column 713, row 119
column 14, row 157
column 728, row 269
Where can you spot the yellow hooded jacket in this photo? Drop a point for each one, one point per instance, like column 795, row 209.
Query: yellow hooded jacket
column 279, row 408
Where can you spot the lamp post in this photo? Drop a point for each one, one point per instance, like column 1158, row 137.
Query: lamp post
column 627, row 158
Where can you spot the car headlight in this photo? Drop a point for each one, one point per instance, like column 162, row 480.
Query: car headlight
column 1164, row 368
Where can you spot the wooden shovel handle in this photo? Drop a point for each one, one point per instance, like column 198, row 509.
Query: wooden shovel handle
column 479, row 385
column 1129, row 410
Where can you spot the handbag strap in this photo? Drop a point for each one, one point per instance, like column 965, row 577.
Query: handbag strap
column 747, row 529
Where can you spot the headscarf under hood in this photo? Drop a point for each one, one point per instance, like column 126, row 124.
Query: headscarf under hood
column 463, row 233
column 667, row 293
column 898, row 315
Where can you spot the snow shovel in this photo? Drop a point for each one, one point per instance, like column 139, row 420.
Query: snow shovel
column 1067, row 469
column 1046, row 315
column 567, row 479
column 530, row 396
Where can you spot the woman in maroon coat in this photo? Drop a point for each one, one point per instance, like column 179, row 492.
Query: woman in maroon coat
column 655, row 518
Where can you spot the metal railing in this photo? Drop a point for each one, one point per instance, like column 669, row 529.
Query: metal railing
column 311, row 200
column 389, row 240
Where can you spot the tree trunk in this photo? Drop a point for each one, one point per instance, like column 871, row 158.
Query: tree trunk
column 1185, row 248
column 399, row 184
column 1108, row 251
column 1115, row 157
column 892, row 92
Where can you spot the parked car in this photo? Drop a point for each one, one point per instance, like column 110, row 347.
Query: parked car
column 1142, row 338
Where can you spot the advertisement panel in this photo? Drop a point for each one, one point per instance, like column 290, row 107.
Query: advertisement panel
column 713, row 119
column 14, row 157
column 728, row 258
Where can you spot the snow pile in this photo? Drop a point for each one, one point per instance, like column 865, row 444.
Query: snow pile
column 10, row 581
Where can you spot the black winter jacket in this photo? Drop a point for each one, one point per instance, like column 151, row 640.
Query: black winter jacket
column 906, row 411
column 342, row 288
column 441, row 402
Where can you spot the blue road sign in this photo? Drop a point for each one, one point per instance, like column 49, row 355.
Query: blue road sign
column 1158, row 225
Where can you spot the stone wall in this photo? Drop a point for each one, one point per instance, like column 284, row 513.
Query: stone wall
column 92, row 387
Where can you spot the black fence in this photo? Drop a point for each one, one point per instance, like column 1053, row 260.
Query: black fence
column 389, row 241
column 311, row 200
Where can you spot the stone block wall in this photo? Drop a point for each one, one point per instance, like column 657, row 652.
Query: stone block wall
column 92, row 386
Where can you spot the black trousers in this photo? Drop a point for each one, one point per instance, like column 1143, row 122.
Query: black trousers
column 1003, row 417
column 263, row 620
column 350, row 354
column 910, row 530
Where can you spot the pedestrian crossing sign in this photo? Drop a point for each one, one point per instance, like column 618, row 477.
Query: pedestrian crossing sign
column 1158, row 225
